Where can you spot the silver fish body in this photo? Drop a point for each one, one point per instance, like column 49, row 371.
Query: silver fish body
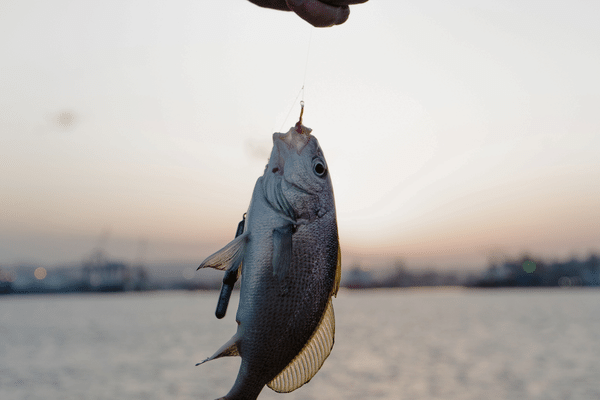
column 290, row 268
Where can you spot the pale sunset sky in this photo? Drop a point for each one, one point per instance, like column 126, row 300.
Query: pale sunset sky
column 454, row 131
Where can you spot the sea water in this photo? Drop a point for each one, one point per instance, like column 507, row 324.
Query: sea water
column 390, row 344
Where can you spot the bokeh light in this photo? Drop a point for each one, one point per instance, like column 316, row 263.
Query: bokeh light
column 529, row 266
column 40, row 273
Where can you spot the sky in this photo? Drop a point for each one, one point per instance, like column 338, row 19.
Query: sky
column 455, row 132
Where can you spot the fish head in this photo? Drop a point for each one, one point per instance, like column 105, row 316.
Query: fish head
column 296, row 179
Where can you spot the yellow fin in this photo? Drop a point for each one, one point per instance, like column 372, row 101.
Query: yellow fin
column 338, row 272
column 310, row 359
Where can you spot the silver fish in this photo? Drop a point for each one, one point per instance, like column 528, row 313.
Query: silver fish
column 290, row 264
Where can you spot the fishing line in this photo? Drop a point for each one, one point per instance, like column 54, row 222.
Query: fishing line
column 291, row 108
column 306, row 64
column 301, row 91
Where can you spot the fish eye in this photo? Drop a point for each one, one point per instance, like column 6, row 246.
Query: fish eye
column 319, row 168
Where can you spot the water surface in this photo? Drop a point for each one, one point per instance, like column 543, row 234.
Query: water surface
column 395, row 344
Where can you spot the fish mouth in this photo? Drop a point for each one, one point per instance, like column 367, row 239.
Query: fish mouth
column 295, row 139
column 284, row 146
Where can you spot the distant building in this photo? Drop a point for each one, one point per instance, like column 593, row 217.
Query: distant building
column 357, row 278
column 103, row 275
column 6, row 280
column 97, row 274
column 529, row 272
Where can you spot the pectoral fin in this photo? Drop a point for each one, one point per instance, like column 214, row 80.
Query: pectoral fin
column 229, row 256
column 310, row 359
column 282, row 250
column 229, row 349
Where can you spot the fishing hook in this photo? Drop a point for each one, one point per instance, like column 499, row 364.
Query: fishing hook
column 299, row 123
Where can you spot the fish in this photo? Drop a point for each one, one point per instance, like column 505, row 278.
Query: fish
column 287, row 253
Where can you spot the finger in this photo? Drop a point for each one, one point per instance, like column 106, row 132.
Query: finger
column 343, row 2
column 319, row 14
column 274, row 4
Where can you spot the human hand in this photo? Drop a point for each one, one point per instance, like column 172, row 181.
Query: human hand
column 317, row 13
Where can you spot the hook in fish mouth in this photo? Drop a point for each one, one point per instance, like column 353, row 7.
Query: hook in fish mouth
column 294, row 138
column 283, row 144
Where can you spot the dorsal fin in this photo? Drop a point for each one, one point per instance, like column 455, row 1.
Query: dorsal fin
column 338, row 272
column 310, row 359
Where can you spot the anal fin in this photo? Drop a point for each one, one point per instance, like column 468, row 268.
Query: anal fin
column 310, row 359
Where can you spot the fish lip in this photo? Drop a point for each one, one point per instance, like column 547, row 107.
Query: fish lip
column 293, row 139
column 284, row 144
